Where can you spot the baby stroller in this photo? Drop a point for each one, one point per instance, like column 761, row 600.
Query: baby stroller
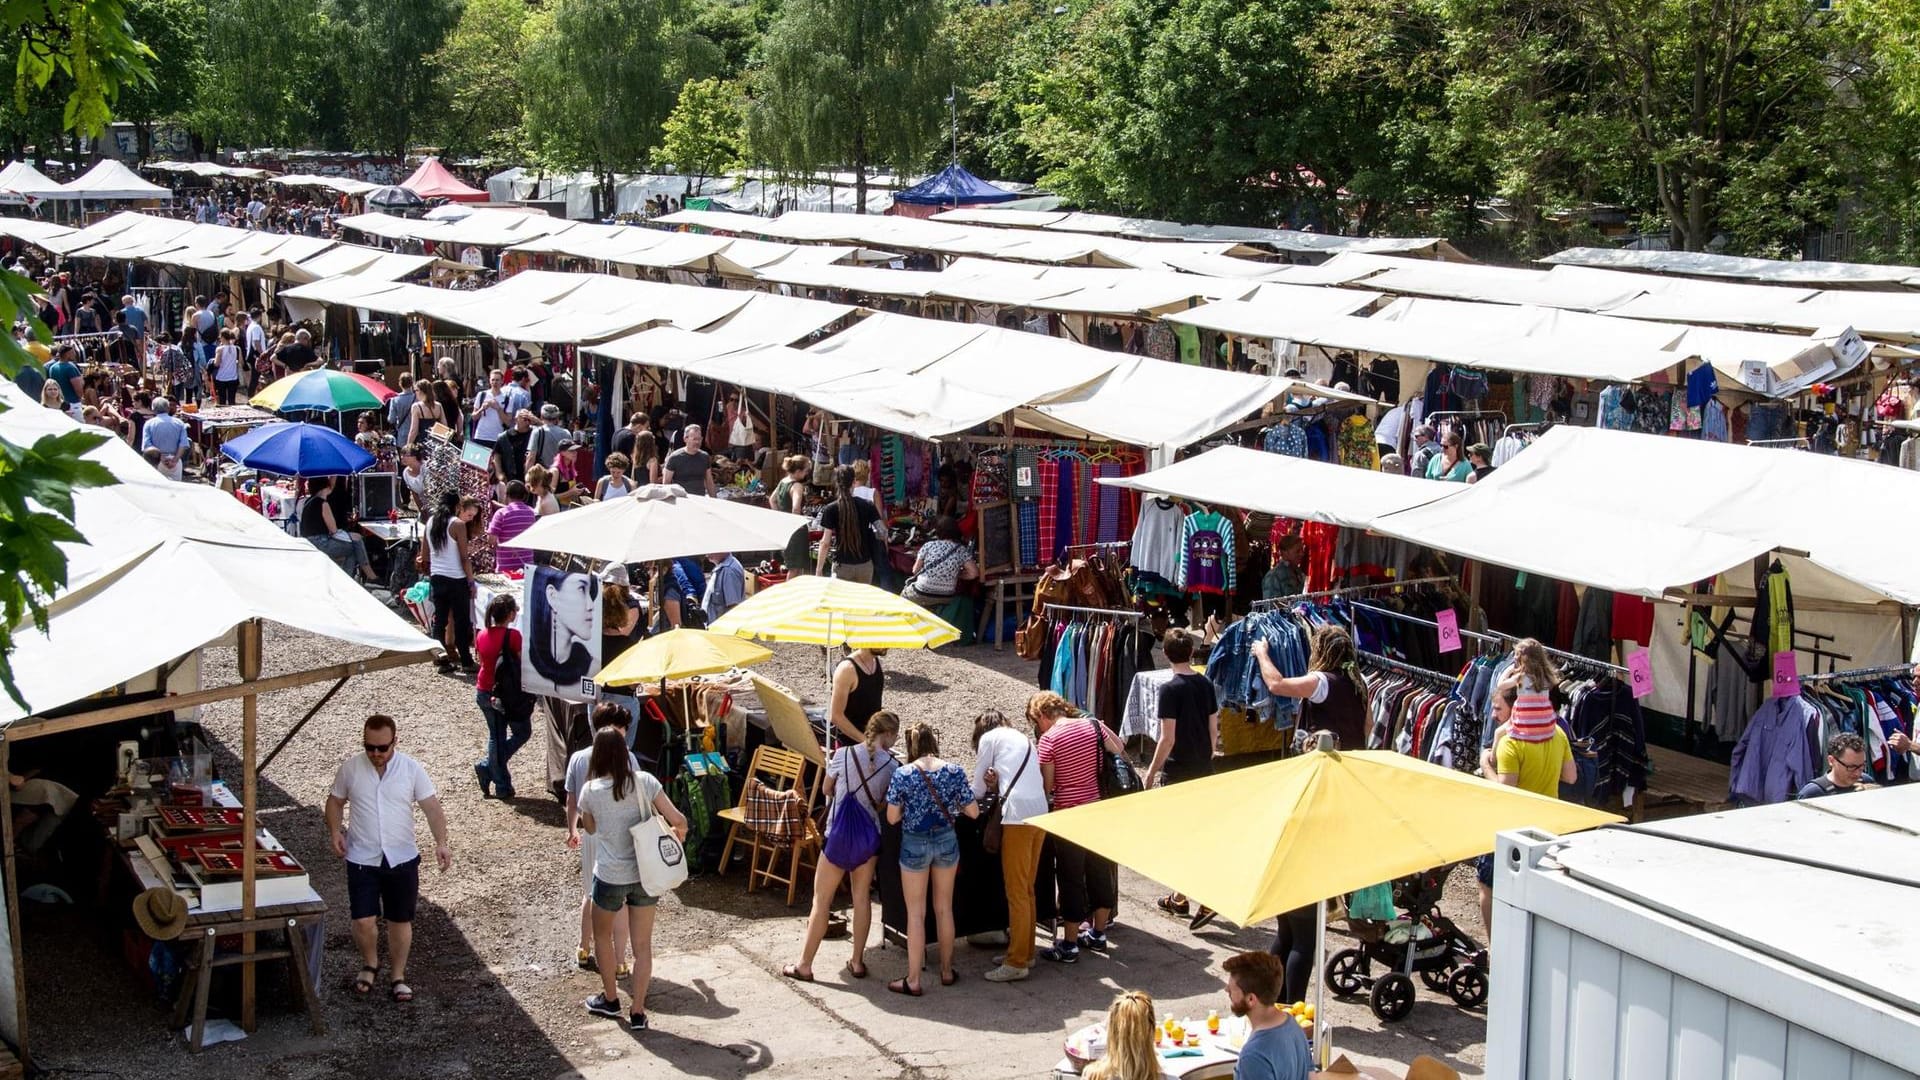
column 1423, row 941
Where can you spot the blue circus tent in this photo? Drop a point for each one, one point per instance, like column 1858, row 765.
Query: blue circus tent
column 954, row 186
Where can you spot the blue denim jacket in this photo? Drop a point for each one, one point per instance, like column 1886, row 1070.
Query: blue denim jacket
column 1235, row 673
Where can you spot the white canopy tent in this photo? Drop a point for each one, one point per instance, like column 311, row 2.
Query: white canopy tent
column 22, row 183
column 1162, row 406
column 39, row 233
column 110, row 181
column 346, row 185
column 1289, row 486
column 1769, row 271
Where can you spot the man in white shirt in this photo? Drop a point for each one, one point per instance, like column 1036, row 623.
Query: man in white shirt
column 377, row 841
column 490, row 415
column 1005, row 762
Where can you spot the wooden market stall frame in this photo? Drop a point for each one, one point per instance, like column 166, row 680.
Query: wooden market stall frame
column 248, row 689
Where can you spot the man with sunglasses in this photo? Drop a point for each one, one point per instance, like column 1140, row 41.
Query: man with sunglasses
column 377, row 841
column 1846, row 761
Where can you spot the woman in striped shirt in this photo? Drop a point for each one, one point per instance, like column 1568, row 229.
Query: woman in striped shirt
column 1070, row 746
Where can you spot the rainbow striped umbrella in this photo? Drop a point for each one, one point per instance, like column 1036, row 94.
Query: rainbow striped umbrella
column 325, row 390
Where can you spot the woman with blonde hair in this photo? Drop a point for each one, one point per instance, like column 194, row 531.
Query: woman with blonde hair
column 863, row 772
column 1130, row 1054
column 540, row 485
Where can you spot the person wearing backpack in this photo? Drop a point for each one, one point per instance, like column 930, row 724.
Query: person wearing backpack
column 856, row 789
column 507, row 707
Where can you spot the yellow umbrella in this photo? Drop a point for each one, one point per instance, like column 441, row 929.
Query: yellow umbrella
column 680, row 653
column 1254, row 843
column 827, row 611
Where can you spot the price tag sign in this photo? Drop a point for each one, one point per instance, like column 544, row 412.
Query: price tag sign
column 1640, row 674
column 1023, row 476
column 1786, row 675
column 1449, row 629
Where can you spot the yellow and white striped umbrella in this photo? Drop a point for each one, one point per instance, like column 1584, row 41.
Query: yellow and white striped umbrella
column 827, row 611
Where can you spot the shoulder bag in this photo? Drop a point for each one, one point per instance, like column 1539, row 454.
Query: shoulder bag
column 1117, row 775
column 990, row 820
column 934, row 794
column 853, row 837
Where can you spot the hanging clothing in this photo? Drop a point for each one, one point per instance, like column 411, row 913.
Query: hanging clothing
column 1207, row 561
column 1158, row 538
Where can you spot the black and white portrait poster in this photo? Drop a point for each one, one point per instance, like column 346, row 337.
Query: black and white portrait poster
column 561, row 613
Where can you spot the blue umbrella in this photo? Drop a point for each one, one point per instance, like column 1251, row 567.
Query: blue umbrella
column 302, row 449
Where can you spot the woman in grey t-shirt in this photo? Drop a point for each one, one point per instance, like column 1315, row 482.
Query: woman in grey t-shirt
column 615, row 800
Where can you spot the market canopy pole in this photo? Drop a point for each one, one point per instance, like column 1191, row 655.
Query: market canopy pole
column 250, row 784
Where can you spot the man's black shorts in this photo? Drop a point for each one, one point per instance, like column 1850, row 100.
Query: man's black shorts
column 387, row 890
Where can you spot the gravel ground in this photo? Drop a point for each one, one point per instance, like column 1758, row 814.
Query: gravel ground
column 493, row 965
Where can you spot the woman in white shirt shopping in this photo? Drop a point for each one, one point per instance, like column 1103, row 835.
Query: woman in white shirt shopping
column 1006, row 763
column 615, row 800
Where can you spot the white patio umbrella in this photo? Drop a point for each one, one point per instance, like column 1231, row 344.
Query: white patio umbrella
column 660, row 521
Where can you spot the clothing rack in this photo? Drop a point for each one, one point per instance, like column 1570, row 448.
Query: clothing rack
column 1573, row 660
column 1404, row 668
column 1860, row 674
column 1799, row 442
column 1529, row 425
column 1122, row 613
column 1350, row 590
column 1462, row 414
column 1105, row 546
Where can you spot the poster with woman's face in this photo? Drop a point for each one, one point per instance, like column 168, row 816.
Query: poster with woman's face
column 562, row 633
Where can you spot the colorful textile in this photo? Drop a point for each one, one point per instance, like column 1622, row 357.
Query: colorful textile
column 1048, row 472
column 1026, row 516
column 1107, row 530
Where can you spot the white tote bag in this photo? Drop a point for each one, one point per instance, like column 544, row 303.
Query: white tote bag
column 663, row 862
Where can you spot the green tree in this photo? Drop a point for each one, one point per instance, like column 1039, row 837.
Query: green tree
column 601, row 76
column 385, row 50
column 706, row 131
column 175, row 30
column 854, row 83
column 480, row 66
column 265, row 73
column 90, row 46
column 1691, row 111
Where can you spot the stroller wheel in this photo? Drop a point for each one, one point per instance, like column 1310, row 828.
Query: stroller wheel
column 1392, row 997
column 1468, row 987
column 1347, row 974
column 1436, row 979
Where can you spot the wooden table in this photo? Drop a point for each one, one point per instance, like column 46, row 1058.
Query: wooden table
column 1680, row 784
column 206, row 928
column 1021, row 586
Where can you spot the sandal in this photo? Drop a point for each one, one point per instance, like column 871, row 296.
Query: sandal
column 949, row 978
column 1173, row 907
column 1202, row 917
column 363, row 980
column 899, row 986
column 856, row 972
column 400, row 991
column 583, row 959
column 792, row 971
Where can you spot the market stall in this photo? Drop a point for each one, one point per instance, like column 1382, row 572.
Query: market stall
column 98, row 677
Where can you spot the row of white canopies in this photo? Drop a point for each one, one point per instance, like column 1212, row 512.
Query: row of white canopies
column 108, row 181
column 1644, row 515
column 221, row 249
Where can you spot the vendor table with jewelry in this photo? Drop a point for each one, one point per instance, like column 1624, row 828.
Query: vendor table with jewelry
column 215, row 925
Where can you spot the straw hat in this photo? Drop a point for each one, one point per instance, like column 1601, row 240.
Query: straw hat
column 161, row 913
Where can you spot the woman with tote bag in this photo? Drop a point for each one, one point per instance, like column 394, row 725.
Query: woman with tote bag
column 616, row 799
column 858, row 775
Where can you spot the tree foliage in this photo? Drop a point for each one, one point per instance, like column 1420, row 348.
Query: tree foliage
column 386, row 51
column 479, row 69
column 705, row 135
column 601, row 77
column 265, row 65
column 849, row 83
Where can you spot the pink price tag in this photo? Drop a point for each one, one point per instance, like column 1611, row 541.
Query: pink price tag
column 1640, row 674
column 1449, row 624
column 1786, row 675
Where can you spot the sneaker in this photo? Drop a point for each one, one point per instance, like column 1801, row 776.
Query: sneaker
column 1005, row 973
column 1091, row 940
column 638, row 1021
column 1062, row 953
column 599, row 1005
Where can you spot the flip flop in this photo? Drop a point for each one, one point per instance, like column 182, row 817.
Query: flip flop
column 899, row 986
column 364, row 986
column 857, row 972
column 400, row 991
column 793, row 972
column 1168, row 905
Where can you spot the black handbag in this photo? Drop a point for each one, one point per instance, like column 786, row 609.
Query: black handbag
column 1117, row 775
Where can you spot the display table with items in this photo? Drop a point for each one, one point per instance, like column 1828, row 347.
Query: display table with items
column 979, row 892
column 179, row 846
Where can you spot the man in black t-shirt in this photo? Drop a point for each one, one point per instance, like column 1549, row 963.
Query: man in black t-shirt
column 1188, row 739
column 298, row 356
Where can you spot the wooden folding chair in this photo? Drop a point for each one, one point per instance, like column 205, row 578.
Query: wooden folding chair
column 794, row 842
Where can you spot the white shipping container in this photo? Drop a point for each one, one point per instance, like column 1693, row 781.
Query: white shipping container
column 1770, row 943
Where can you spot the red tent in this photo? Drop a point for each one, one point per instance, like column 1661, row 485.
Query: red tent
column 432, row 181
